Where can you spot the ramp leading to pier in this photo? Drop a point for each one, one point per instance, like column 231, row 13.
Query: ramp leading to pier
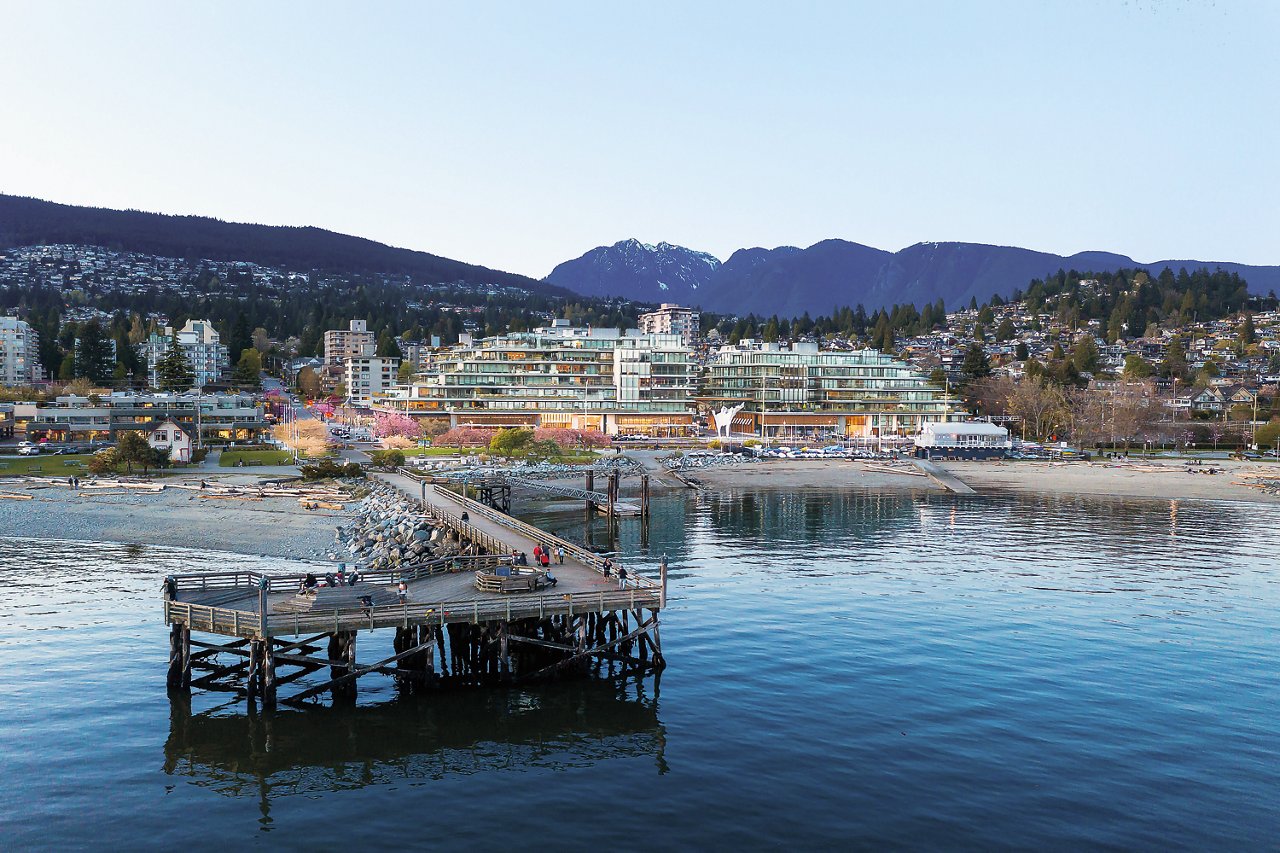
column 944, row 478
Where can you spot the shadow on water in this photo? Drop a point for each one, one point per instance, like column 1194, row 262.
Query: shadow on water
column 325, row 749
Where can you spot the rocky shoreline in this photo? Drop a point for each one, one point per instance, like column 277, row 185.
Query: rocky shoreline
column 389, row 530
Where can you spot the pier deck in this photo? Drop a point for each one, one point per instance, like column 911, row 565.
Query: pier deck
column 480, row 636
column 438, row 592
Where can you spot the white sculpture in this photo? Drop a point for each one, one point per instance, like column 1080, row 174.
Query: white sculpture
column 724, row 420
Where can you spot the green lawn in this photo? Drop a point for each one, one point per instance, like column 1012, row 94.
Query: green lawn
column 230, row 458
column 45, row 465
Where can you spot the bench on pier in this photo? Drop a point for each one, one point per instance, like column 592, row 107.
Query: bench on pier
column 337, row 598
column 510, row 579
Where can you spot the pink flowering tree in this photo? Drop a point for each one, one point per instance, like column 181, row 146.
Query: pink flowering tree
column 571, row 439
column 464, row 437
column 388, row 424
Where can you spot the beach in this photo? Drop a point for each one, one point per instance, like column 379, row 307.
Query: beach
column 274, row 527
column 1165, row 480
column 1162, row 479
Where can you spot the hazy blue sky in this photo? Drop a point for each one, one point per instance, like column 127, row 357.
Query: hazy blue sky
column 518, row 135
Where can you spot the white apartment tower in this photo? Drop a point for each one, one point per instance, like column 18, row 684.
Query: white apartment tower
column 19, row 353
column 672, row 319
column 201, row 344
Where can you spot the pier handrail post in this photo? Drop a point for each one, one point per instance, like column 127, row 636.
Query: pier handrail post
column 662, row 571
column 263, row 583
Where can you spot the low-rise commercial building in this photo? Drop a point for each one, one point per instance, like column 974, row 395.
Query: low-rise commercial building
column 962, row 440
column 207, row 417
column 804, row 391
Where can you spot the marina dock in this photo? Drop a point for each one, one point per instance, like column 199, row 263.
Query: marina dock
column 448, row 632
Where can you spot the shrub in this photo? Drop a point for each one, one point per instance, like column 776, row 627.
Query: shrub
column 392, row 458
column 751, row 442
column 104, row 462
column 714, row 444
column 327, row 469
column 398, row 442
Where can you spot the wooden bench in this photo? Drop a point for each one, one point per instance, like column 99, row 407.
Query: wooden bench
column 510, row 580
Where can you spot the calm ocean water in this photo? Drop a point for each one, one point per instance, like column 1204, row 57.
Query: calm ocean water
column 845, row 670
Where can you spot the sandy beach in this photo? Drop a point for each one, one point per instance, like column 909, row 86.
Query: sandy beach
column 1156, row 479
column 811, row 473
column 277, row 527
column 1164, row 480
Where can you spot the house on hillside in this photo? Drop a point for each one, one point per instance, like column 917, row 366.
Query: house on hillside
column 173, row 439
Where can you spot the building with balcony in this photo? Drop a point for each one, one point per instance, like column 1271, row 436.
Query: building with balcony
column 802, row 391
column 205, row 417
column 672, row 319
column 560, row 376
column 368, row 376
column 19, row 353
column 355, row 341
column 201, row 344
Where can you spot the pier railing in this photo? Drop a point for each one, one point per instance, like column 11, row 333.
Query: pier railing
column 588, row 558
column 470, row 611
column 247, row 623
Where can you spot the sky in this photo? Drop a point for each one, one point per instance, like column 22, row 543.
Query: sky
column 518, row 135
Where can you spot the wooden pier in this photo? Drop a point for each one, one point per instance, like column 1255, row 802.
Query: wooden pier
column 447, row 632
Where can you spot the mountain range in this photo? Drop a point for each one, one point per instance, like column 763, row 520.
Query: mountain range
column 788, row 281
column 29, row 221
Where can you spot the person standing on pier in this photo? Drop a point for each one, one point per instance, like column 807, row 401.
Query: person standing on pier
column 622, row 577
column 560, row 554
column 402, row 590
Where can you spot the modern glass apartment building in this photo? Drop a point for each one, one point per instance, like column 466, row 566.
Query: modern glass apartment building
column 603, row 379
column 805, row 391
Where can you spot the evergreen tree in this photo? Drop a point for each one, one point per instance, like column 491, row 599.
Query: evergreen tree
column 1174, row 365
column 1085, row 354
column 976, row 365
column 1020, row 352
column 173, row 371
column 1005, row 331
column 93, row 359
column 1245, row 336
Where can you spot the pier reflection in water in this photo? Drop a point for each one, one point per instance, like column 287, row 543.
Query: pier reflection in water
column 321, row 750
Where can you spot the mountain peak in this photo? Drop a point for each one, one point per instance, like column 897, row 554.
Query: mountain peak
column 644, row 271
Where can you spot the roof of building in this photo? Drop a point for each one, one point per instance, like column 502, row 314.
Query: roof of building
column 965, row 428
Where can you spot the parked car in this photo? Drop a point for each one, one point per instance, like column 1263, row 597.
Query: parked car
column 29, row 450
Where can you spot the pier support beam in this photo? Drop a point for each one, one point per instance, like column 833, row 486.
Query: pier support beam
column 179, row 674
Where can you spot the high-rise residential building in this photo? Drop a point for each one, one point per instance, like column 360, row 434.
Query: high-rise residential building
column 368, row 376
column 201, row 344
column 19, row 353
column 356, row 341
column 600, row 379
column 804, row 391
column 672, row 319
